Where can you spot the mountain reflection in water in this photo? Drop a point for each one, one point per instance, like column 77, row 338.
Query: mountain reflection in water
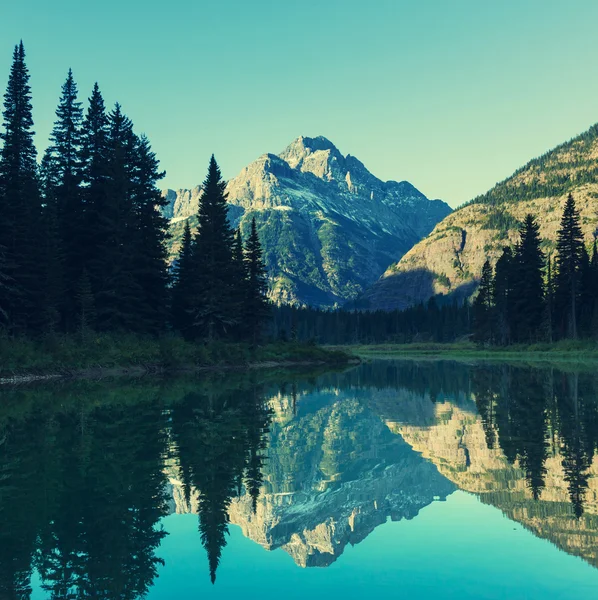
column 304, row 462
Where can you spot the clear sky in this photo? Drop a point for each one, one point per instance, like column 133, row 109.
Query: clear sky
column 452, row 95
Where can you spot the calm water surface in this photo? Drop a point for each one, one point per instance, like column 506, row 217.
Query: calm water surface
column 394, row 479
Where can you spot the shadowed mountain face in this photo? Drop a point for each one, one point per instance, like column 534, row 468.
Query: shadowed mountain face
column 328, row 226
column 452, row 255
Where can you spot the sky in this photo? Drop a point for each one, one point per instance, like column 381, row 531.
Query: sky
column 452, row 96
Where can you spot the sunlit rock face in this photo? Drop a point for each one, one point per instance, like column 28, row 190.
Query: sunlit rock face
column 449, row 260
column 328, row 226
column 333, row 473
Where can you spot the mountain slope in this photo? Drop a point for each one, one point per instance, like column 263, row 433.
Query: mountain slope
column 450, row 259
column 328, row 226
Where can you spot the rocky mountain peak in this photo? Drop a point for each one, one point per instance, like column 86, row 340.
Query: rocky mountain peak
column 328, row 226
column 318, row 156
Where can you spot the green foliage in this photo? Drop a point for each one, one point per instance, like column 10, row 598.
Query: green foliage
column 255, row 306
column 500, row 219
column 483, row 308
column 570, row 248
column 528, row 284
column 94, row 352
column 20, row 205
column 213, row 286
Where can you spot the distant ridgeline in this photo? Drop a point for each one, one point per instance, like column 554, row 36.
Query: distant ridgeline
column 449, row 261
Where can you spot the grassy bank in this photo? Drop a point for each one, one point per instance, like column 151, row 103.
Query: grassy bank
column 566, row 350
column 111, row 353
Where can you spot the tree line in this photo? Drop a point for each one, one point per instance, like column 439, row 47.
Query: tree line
column 531, row 297
column 83, row 241
column 441, row 320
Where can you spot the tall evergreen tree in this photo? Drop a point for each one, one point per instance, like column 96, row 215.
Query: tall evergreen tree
column 240, row 285
column 483, row 307
column 151, row 232
column 549, row 301
column 570, row 251
column 94, row 158
column 182, row 304
column 528, row 284
column 502, row 294
column 256, row 306
column 61, row 177
column 214, row 311
column 20, row 203
column 118, row 293
column 586, row 294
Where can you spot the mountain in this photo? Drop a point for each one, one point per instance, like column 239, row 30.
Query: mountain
column 449, row 260
column 328, row 226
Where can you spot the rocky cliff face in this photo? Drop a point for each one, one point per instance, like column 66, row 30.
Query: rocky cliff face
column 328, row 226
column 450, row 259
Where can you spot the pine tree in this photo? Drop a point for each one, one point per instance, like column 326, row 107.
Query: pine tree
column 240, row 286
column 149, row 253
column 502, row 294
column 214, row 314
column 528, row 284
column 257, row 307
column 570, row 249
column 594, row 276
column 483, row 308
column 548, row 322
column 20, row 202
column 182, row 303
column 586, row 294
column 118, row 293
column 61, row 178
column 94, row 158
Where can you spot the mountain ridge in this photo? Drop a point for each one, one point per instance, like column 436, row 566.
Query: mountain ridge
column 449, row 260
column 329, row 227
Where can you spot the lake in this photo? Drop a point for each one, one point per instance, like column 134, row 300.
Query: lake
column 412, row 479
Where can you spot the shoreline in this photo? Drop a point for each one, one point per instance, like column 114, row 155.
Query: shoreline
column 583, row 352
column 98, row 373
column 130, row 357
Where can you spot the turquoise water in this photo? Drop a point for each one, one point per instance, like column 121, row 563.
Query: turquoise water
column 394, row 479
column 454, row 549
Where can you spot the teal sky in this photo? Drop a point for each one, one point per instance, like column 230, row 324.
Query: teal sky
column 452, row 96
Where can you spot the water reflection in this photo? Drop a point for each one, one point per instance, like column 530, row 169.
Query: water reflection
column 218, row 442
column 309, row 464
